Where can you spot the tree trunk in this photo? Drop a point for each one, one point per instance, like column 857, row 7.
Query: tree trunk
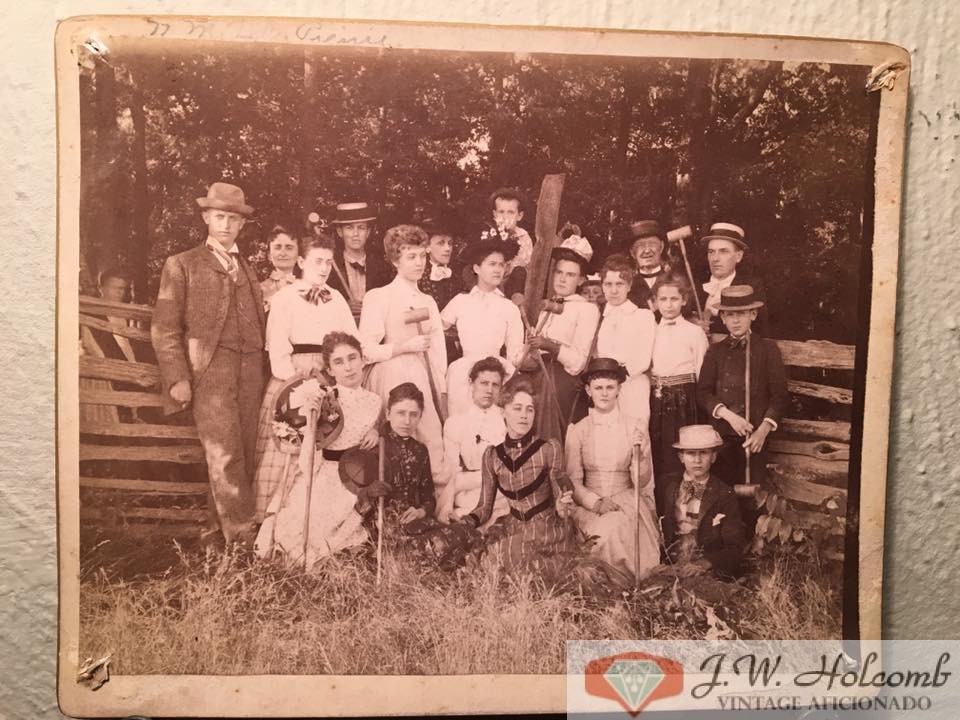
column 101, row 221
column 308, row 125
column 695, row 204
column 142, row 242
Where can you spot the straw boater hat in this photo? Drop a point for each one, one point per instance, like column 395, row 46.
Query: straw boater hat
column 726, row 231
column 604, row 366
column 739, row 297
column 698, row 437
column 224, row 196
column 353, row 212
column 289, row 420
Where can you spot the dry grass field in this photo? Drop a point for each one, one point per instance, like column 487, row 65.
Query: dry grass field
column 231, row 614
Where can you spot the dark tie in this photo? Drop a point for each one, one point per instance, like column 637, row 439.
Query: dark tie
column 359, row 267
column 316, row 294
column 737, row 342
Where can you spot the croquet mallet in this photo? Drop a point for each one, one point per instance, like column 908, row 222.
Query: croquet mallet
column 418, row 316
column 679, row 235
column 746, row 489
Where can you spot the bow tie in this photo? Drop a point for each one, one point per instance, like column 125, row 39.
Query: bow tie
column 358, row 266
column 653, row 274
column 669, row 322
column 691, row 490
column 440, row 272
column 737, row 342
column 316, row 294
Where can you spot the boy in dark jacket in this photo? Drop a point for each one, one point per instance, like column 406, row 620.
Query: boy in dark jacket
column 702, row 527
column 722, row 384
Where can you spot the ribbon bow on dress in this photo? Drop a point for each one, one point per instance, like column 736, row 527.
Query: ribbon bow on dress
column 440, row 272
column 316, row 294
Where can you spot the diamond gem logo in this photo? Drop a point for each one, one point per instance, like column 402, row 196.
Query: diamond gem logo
column 634, row 680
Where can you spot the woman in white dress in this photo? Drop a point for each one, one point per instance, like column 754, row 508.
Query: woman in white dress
column 600, row 463
column 333, row 523
column 301, row 315
column 485, row 319
column 402, row 350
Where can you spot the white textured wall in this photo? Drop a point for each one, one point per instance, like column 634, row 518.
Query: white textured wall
column 922, row 589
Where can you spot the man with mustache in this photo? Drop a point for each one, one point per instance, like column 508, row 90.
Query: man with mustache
column 646, row 245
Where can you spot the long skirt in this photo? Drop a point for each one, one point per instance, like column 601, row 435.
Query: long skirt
column 543, row 545
column 675, row 407
column 269, row 459
column 333, row 523
column 617, row 533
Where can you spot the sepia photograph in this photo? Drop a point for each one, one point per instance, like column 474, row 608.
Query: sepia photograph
column 390, row 350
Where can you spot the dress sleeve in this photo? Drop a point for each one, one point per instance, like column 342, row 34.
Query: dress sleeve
column 488, row 490
column 699, row 347
column 373, row 327
column 279, row 347
column 451, row 312
column 514, row 339
column 641, row 346
column 558, row 474
column 344, row 319
column 574, row 355
column 437, row 353
column 574, row 465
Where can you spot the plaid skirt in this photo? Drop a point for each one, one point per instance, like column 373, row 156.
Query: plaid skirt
column 269, row 460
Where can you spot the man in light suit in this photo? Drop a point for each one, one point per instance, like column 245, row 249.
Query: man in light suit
column 207, row 331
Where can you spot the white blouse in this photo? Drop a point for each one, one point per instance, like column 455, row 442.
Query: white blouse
column 294, row 321
column 626, row 335
column 485, row 322
column 573, row 329
column 678, row 348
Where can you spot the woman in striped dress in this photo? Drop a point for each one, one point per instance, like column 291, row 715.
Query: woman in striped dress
column 537, row 535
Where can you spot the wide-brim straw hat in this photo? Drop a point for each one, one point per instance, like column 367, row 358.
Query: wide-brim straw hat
column 739, row 297
column 353, row 212
column 727, row 231
column 288, row 416
column 604, row 366
column 224, row 196
column 698, row 437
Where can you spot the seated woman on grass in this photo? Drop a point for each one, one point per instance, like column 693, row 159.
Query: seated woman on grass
column 601, row 462
column 528, row 470
column 407, row 466
column 332, row 523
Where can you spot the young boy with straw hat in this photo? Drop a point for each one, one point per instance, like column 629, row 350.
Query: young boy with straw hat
column 700, row 516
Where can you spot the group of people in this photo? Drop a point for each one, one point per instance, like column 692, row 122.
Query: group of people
column 608, row 424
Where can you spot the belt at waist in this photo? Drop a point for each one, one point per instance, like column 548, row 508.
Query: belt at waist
column 534, row 511
column 672, row 380
column 304, row 348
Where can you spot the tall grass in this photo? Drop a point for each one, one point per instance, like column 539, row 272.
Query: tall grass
column 228, row 614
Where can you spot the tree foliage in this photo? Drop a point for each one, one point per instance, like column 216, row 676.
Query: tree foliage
column 779, row 148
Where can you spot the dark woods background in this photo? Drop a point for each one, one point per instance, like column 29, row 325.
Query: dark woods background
column 779, row 148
